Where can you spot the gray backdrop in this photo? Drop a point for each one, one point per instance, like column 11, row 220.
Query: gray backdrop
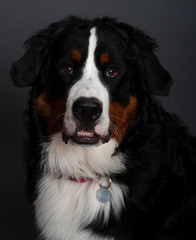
column 171, row 22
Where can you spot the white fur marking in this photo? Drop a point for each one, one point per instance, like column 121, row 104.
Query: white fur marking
column 89, row 86
column 64, row 207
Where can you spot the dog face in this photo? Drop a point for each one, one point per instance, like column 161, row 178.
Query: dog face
column 86, row 118
column 89, row 78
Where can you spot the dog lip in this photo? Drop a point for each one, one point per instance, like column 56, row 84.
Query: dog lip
column 85, row 137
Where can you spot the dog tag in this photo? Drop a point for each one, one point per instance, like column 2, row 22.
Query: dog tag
column 103, row 195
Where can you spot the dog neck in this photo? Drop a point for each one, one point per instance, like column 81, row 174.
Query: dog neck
column 80, row 162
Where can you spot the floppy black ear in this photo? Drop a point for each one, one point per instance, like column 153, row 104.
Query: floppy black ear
column 25, row 71
column 158, row 79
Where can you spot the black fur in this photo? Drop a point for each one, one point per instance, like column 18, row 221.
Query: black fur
column 159, row 151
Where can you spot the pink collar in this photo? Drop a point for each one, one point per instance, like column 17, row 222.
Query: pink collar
column 82, row 180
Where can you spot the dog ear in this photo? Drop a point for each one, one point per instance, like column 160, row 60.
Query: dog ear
column 158, row 79
column 25, row 71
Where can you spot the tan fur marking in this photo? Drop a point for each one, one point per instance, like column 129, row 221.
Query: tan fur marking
column 76, row 55
column 51, row 113
column 104, row 58
column 121, row 117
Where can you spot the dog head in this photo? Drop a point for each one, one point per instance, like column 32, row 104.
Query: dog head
column 89, row 77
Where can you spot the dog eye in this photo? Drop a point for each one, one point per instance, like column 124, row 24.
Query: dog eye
column 68, row 69
column 111, row 72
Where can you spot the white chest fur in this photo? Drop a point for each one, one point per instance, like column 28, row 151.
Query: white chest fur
column 63, row 207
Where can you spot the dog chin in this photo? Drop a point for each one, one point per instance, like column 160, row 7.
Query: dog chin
column 86, row 138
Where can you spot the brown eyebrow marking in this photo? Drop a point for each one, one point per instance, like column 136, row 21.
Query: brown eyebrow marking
column 76, row 55
column 104, row 58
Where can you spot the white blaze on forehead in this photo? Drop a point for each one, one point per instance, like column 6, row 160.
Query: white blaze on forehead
column 89, row 86
column 90, row 63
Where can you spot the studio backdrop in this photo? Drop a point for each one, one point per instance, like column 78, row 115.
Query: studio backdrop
column 172, row 23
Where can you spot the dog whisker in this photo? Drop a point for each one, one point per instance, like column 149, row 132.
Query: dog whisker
column 120, row 119
column 115, row 131
column 60, row 126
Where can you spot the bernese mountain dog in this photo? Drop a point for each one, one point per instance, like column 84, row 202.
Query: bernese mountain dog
column 105, row 161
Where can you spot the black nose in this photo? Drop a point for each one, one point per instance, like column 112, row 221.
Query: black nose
column 87, row 109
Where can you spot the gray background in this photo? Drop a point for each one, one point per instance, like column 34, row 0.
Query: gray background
column 171, row 22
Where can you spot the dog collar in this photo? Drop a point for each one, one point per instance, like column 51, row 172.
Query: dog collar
column 81, row 180
column 103, row 195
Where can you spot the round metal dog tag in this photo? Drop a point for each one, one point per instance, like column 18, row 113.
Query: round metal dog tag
column 103, row 195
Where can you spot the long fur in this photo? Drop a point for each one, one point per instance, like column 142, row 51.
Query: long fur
column 149, row 154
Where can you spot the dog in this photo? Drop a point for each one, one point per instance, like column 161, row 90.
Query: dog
column 104, row 160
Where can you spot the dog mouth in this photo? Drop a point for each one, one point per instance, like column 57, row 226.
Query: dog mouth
column 85, row 137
